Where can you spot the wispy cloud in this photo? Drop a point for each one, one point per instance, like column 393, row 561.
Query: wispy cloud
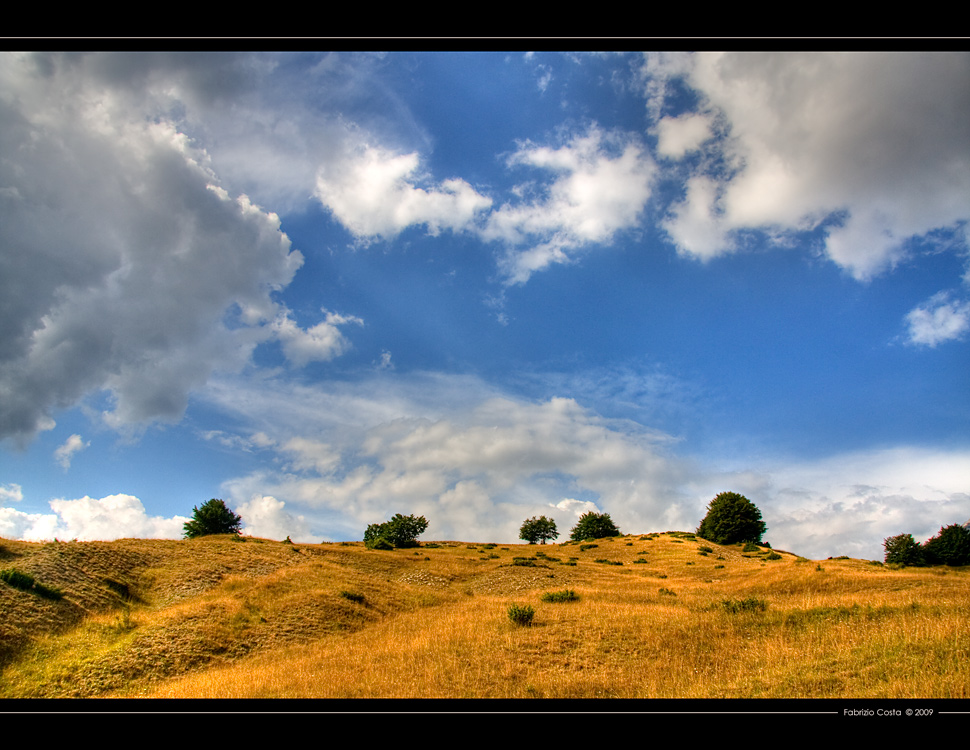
column 11, row 493
column 66, row 452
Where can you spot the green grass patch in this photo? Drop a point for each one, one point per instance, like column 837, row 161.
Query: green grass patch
column 566, row 595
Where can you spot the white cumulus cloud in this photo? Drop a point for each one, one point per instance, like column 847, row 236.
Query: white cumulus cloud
column 375, row 192
column 939, row 319
column 600, row 183
column 89, row 519
column 872, row 146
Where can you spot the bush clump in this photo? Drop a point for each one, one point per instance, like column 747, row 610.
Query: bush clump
column 735, row 606
column 17, row 579
column 521, row 614
column 25, row 582
column 554, row 597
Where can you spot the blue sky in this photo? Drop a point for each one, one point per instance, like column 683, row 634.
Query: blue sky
column 483, row 286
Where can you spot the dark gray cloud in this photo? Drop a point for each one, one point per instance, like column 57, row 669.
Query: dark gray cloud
column 121, row 252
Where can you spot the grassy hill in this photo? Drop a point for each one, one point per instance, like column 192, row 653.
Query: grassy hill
column 662, row 615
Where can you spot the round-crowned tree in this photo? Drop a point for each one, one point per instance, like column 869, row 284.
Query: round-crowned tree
column 400, row 531
column 902, row 549
column 593, row 526
column 732, row 518
column 539, row 529
column 212, row 517
column 950, row 547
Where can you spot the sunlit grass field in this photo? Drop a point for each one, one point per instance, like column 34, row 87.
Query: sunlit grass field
column 664, row 615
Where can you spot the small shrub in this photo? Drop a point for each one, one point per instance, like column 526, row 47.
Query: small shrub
column 525, row 562
column 17, row 579
column 350, row 595
column 772, row 556
column 48, row 592
column 735, row 606
column 584, row 547
column 521, row 614
column 667, row 592
column 25, row 582
column 566, row 595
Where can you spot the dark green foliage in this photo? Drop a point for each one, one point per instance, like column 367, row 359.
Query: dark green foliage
column 539, row 529
column 521, row 614
column 26, row 582
column 553, row 597
column 902, row 549
column 735, row 606
column 594, row 526
column 48, row 592
column 950, row 547
column 17, row 579
column 400, row 531
column 732, row 518
column 212, row 517
column 351, row 596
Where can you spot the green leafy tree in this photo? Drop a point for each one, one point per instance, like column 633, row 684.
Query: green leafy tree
column 732, row 518
column 950, row 547
column 400, row 531
column 539, row 529
column 212, row 517
column 902, row 549
column 593, row 526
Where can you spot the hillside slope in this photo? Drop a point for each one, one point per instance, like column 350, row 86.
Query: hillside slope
column 654, row 615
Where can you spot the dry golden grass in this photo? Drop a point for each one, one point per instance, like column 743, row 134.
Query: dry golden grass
column 656, row 617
